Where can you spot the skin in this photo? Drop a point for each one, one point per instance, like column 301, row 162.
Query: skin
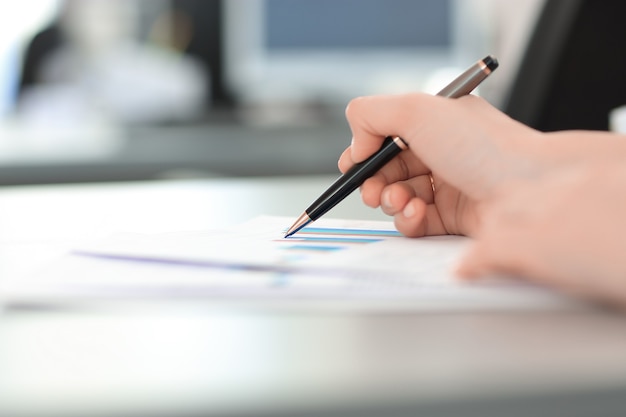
column 549, row 207
column 570, row 237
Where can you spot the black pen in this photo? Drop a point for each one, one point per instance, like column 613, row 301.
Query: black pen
column 392, row 146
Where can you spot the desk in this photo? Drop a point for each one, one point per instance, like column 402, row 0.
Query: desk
column 189, row 359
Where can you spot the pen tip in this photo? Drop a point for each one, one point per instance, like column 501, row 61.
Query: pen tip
column 302, row 221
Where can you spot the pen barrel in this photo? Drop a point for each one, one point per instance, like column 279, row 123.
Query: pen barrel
column 465, row 83
column 354, row 178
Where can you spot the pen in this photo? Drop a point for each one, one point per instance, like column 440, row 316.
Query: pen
column 392, row 146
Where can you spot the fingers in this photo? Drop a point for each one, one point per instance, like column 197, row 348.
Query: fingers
column 406, row 169
column 419, row 219
column 411, row 203
column 393, row 197
column 372, row 190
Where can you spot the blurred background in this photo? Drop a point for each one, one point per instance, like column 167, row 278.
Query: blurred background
column 113, row 90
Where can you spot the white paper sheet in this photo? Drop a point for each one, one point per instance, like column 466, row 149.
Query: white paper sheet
column 347, row 263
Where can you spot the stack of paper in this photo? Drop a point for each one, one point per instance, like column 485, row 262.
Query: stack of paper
column 345, row 263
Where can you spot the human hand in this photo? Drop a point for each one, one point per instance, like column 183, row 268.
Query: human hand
column 566, row 231
column 464, row 145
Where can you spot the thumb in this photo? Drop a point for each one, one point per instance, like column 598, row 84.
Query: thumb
column 477, row 262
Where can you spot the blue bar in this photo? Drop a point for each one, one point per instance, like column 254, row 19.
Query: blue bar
column 356, row 232
column 316, row 248
column 334, row 239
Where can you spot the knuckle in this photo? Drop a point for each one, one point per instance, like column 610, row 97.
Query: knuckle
column 354, row 106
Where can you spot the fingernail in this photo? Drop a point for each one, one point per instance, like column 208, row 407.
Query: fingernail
column 386, row 199
column 409, row 210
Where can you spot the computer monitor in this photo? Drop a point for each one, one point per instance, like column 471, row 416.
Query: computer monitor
column 573, row 71
column 333, row 50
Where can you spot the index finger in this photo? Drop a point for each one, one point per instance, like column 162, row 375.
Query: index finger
column 371, row 119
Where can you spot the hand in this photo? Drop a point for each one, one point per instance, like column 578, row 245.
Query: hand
column 465, row 145
column 566, row 231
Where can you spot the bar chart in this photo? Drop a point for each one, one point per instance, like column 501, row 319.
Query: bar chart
column 328, row 239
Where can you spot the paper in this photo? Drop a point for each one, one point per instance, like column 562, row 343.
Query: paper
column 350, row 262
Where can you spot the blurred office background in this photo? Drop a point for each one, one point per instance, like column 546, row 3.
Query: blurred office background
column 109, row 90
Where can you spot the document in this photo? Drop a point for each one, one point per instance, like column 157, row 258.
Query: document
column 364, row 264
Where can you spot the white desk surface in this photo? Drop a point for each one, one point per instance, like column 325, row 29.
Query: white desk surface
column 191, row 359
